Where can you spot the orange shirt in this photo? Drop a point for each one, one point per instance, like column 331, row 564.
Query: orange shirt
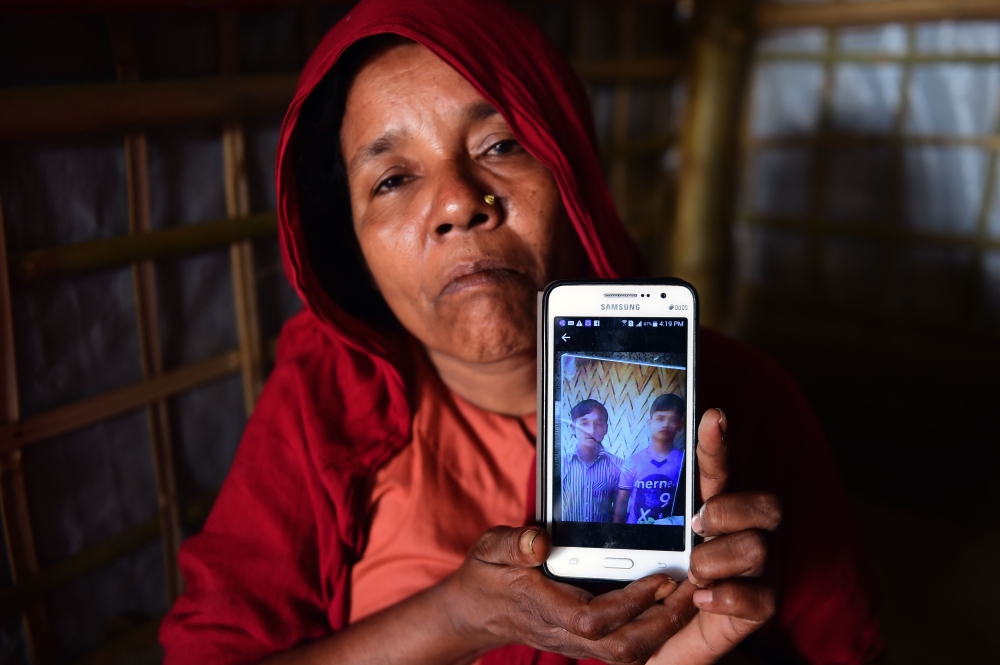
column 465, row 470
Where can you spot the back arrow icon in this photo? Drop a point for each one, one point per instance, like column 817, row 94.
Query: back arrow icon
column 565, row 337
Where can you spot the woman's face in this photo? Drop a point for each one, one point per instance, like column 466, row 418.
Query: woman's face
column 422, row 150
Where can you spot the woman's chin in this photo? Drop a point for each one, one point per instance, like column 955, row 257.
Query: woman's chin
column 490, row 345
column 488, row 340
column 484, row 325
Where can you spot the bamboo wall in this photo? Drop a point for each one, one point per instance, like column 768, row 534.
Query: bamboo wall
column 870, row 188
column 866, row 261
column 141, row 294
column 867, row 230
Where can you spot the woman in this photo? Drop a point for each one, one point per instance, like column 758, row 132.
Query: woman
column 429, row 184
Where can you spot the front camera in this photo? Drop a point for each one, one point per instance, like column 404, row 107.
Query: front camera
column 663, row 295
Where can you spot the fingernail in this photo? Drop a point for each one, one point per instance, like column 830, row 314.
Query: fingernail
column 696, row 525
column 698, row 520
column 702, row 597
column 723, row 421
column 528, row 540
column 665, row 590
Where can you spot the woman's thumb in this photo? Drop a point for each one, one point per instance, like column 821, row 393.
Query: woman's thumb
column 523, row 547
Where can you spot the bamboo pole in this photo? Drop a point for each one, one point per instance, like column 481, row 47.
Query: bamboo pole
column 55, row 110
column 17, row 530
column 770, row 16
column 701, row 245
column 17, row 435
column 23, row 559
column 123, row 250
column 244, row 279
column 238, row 205
column 147, row 317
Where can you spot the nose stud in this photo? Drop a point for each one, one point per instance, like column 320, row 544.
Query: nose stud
column 490, row 199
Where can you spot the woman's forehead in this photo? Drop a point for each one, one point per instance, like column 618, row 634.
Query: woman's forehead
column 398, row 61
column 407, row 84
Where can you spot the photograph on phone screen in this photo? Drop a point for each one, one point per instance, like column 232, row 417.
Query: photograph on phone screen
column 622, row 435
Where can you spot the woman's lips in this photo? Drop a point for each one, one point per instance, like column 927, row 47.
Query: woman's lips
column 476, row 274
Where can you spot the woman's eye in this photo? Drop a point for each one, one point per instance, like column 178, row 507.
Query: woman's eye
column 390, row 183
column 503, row 147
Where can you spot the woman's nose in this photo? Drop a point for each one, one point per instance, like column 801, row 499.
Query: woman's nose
column 461, row 205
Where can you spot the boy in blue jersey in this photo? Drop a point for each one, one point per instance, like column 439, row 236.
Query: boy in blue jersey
column 647, row 486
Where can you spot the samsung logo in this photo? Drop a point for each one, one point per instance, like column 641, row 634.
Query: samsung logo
column 619, row 307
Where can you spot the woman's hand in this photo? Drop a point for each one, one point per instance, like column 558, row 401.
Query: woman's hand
column 500, row 595
column 730, row 606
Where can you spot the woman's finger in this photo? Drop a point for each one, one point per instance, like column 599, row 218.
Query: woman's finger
column 559, row 617
column 524, row 547
column 503, row 565
column 740, row 554
column 741, row 599
column 595, row 617
column 562, row 605
column 709, row 636
column 729, row 513
column 636, row 640
column 713, row 466
column 610, row 611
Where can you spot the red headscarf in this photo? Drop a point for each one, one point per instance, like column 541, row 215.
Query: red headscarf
column 271, row 567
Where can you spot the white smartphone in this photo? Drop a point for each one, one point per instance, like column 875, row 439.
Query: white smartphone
column 616, row 427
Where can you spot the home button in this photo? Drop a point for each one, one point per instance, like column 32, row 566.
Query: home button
column 617, row 563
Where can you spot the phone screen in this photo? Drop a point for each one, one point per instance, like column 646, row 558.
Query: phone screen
column 620, row 432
